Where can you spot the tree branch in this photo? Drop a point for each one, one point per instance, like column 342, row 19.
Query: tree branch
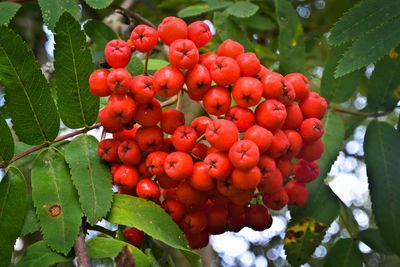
column 81, row 250
column 360, row 113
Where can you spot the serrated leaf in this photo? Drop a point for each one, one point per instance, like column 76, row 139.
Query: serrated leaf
column 155, row 64
column 6, row 141
column 13, row 190
column 382, row 150
column 242, row 9
column 99, row 34
column 99, row 4
column 383, row 84
column 196, row 10
column 55, row 200
column 103, row 247
column 291, row 38
column 39, row 255
column 302, row 238
column 370, row 47
column 73, row 66
column 8, row 11
column 347, row 219
column 52, row 10
column 90, row 176
column 344, row 253
column 27, row 93
column 338, row 90
column 361, row 18
column 374, row 240
column 228, row 29
column 135, row 66
column 151, row 219
column 31, row 222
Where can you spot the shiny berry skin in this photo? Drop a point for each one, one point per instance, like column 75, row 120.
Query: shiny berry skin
column 313, row 105
column 258, row 217
column 134, row 236
column 184, row 138
column 126, row 176
column 197, row 241
column 311, row 129
column 194, row 222
column 224, row 71
column 294, row 117
column 244, row 154
column 148, row 189
column 272, row 85
column 217, row 100
column 230, row 48
column 311, row 151
column 243, row 118
column 148, row 114
column 199, row 33
column 108, row 150
column 247, row 91
column 172, row 119
column 300, row 84
column 260, row 136
column 297, row 193
column 200, row 151
column 165, row 182
column 249, row 64
column 199, row 124
column 279, row 145
column 142, row 88
column 127, row 134
column 129, row 152
column 208, row 58
column 200, row 179
column 277, row 200
column 183, row 54
column 109, row 123
column 246, row 179
column 155, row 162
column 149, row 138
column 119, row 81
column 98, row 83
column 144, row 38
column 178, row 165
column 117, row 53
column 263, row 71
column 271, row 114
column 222, row 134
column 171, row 29
column 190, row 196
column 305, row 171
column 217, row 217
column 198, row 81
column 168, row 81
column 218, row 166
column 295, row 141
column 174, row 208
column 121, row 107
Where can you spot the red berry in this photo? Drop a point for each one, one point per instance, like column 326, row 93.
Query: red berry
column 199, row 124
column 190, row 196
column 297, row 193
column 197, row 241
column 198, row 81
column 218, row 166
column 183, row 54
column 311, row 151
column 277, row 200
column 174, row 208
column 295, row 141
column 285, row 166
column 217, row 100
column 129, row 152
column 149, row 113
column 243, row 118
column 294, row 117
column 194, row 222
column 155, row 162
column 119, row 81
column 246, row 179
column 142, row 88
column 222, row 134
column 208, row 58
column 150, row 138
column 313, row 105
column 230, row 48
column 117, row 53
column 184, row 138
column 98, row 83
column 311, row 129
column 247, row 91
column 200, row 151
column 279, row 145
column 144, row 38
column 172, row 119
column 300, row 84
column 258, row 217
column 178, row 165
column 134, row 236
column 217, row 219
column 148, row 189
column 127, row 134
column 126, row 176
column 171, row 29
column 305, row 171
column 224, row 71
column 249, row 64
column 168, row 81
column 244, row 154
column 271, row 114
column 121, row 107
column 199, row 33
column 200, row 179
column 108, row 150
column 109, row 123
column 260, row 136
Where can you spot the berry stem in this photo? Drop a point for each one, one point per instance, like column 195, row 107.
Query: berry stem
column 146, row 63
column 360, row 113
column 179, row 100
column 81, row 250
column 170, row 101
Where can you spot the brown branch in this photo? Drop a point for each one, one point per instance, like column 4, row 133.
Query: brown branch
column 101, row 229
column 81, row 250
column 46, row 144
column 360, row 113
column 133, row 15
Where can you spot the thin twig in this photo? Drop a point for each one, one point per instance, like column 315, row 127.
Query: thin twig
column 101, row 229
column 179, row 101
column 133, row 15
column 360, row 113
column 81, row 250
column 146, row 63
column 169, row 101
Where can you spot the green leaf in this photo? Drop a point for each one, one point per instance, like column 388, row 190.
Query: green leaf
column 347, row 219
column 27, row 93
column 382, row 150
column 195, row 10
column 39, row 255
column 301, row 239
column 55, row 200
column 90, row 176
column 155, row 64
column 242, row 9
column 151, row 219
column 374, row 240
column 257, row 22
column 361, row 18
column 103, row 247
column 13, row 190
column 228, row 29
column 31, row 222
column 99, row 4
column 383, row 84
column 73, row 66
column 6, row 141
column 135, row 66
column 344, row 254
column 99, row 34
column 340, row 89
column 52, row 10
column 8, row 11
column 370, row 47
column 291, row 38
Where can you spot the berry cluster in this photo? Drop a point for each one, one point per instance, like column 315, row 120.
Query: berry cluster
column 261, row 139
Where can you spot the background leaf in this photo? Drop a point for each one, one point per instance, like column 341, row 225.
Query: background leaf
column 39, row 255
column 73, row 66
column 382, row 150
column 136, row 66
column 32, row 109
column 374, row 240
column 344, row 254
column 52, row 10
column 91, row 177
column 8, row 11
column 291, row 38
column 56, row 200
column 152, row 220
column 195, row 10
column 153, row 65
column 103, row 247
column 242, row 9
column 31, row 222
column 6, row 141
column 99, row 4
column 12, row 210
